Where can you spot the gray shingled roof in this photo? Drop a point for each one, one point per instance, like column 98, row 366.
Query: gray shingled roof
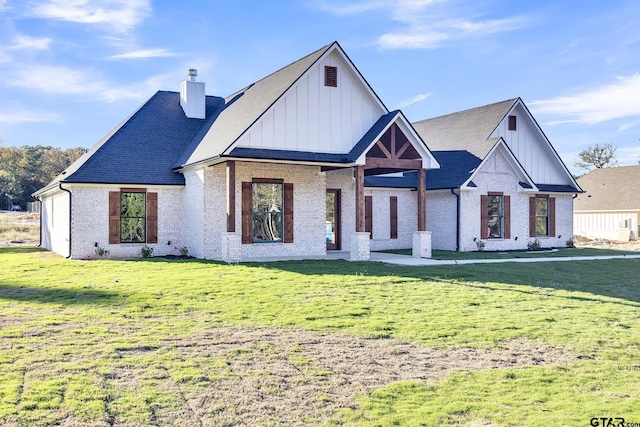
column 609, row 189
column 243, row 108
column 143, row 148
column 467, row 130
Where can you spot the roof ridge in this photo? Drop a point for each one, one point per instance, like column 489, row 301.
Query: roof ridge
column 245, row 88
column 511, row 100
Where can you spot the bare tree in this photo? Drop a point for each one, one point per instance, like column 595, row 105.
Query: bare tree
column 597, row 157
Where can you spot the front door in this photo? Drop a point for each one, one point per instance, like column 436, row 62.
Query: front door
column 333, row 220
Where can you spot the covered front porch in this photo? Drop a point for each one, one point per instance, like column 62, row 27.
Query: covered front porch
column 391, row 148
column 334, row 195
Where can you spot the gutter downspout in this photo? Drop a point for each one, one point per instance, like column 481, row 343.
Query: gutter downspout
column 457, row 219
column 64, row 189
column 40, row 201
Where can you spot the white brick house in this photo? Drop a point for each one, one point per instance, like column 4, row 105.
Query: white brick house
column 276, row 168
column 307, row 160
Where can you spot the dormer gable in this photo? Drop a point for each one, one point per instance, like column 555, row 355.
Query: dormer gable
column 498, row 161
column 531, row 147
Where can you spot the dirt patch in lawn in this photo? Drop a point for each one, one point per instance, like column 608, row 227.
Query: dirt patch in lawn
column 585, row 242
column 296, row 377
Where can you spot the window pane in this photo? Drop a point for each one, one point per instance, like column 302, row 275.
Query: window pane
column 133, row 217
column 495, row 212
column 494, row 205
column 330, row 235
column 541, row 206
column 267, row 197
column 541, row 226
column 495, row 227
column 132, row 230
column 267, row 227
column 132, row 204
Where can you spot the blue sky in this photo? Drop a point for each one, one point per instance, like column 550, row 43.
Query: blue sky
column 73, row 69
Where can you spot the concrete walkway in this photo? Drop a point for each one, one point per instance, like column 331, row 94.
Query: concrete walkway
column 412, row 261
column 409, row 260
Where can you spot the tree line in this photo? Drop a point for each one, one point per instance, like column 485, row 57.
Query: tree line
column 26, row 169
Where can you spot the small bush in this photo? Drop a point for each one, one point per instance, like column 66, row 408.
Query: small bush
column 101, row 252
column 534, row 245
column 146, row 251
column 184, row 251
column 480, row 244
column 570, row 243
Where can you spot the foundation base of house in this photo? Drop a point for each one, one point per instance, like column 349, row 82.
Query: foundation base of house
column 231, row 247
column 360, row 249
column 421, row 244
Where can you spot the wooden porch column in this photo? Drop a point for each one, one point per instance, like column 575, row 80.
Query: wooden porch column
column 231, row 196
column 360, row 199
column 422, row 197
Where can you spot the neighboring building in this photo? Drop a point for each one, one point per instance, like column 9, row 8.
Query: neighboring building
column 500, row 181
column 276, row 168
column 610, row 207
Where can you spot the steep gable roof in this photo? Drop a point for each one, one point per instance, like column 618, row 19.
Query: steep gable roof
column 467, row 130
column 478, row 131
column 244, row 107
column 138, row 150
column 609, row 189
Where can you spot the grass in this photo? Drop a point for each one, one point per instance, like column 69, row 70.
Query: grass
column 560, row 253
column 19, row 227
column 113, row 342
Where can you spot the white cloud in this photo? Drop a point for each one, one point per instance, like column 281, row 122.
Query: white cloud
column 20, row 116
column 628, row 155
column 122, row 15
column 414, row 100
column 350, row 8
column 430, row 23
column 52, row 79
column 144, row 54
column 601, row 104
column 4, row 57
column 432, row 35
column 626, row 126
column 25, row 42
column 84, row 83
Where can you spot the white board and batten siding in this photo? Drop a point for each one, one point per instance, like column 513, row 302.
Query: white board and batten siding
column 55, row 222
column 606, row 225
column 532, row 151
column 318, row 118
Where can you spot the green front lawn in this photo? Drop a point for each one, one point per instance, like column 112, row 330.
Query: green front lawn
column 164, row 342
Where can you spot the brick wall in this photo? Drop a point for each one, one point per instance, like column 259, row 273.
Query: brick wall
column 193, row 212
column 90, row 222
column 343, row 180
column 496, row 175
column 407, row 218
column 309, row 208
column 215, row 210
column 442, row 219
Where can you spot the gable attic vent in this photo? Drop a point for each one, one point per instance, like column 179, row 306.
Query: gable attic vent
column 331, row 76
column 192, row 97
column 513, row 121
